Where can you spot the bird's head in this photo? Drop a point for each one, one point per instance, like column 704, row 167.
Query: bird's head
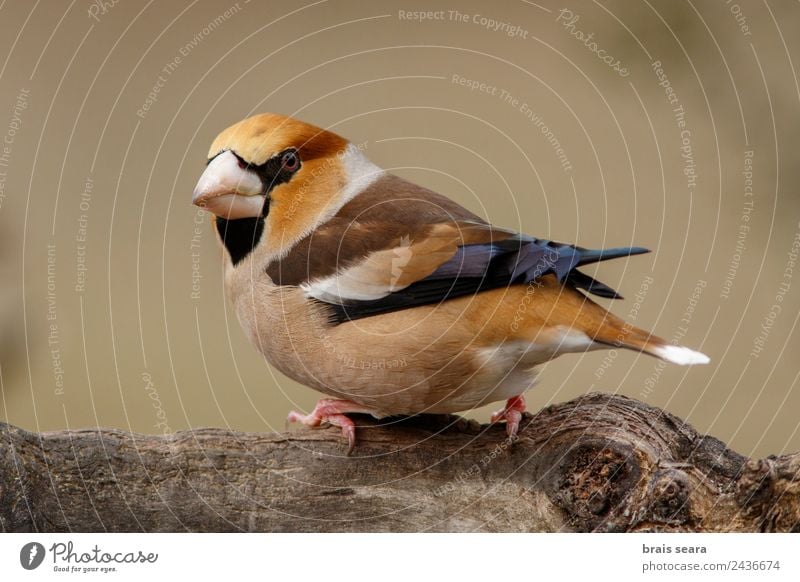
column 288, row 173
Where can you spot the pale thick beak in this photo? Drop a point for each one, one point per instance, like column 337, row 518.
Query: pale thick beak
column 228, row 190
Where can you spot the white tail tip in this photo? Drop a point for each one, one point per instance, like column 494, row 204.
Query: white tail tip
column 680, row 355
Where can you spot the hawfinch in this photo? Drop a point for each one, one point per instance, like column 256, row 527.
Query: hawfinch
column 387, row 297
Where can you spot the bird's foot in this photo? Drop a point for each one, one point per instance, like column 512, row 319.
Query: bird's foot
column 512, row 414
column 331, row 411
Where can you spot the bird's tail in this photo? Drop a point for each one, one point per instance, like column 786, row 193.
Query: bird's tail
column 616, row 332
column 559, row 306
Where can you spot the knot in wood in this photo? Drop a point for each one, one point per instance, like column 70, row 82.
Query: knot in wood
column 595, row 477
column 668, row 494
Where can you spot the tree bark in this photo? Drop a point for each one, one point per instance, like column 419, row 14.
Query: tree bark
column 597, row 463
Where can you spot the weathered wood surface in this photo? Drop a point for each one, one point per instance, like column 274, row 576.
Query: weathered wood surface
column 597, row 463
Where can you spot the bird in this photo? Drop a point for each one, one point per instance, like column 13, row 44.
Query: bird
column 386, row 297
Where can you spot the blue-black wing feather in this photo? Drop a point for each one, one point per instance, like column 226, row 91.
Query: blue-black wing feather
column 516, row 260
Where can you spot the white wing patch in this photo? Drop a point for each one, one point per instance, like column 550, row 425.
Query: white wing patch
column 376, row 277
column 387, row 271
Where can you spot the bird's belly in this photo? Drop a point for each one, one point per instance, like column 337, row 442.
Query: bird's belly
column 398, row 377
column 415, row 361
column 411, row 384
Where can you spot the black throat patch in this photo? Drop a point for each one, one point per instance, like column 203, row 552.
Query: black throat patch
column 240, row 236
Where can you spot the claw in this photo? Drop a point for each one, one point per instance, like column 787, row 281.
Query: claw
column 330, row 411
column 349, row 433
column 512, row 414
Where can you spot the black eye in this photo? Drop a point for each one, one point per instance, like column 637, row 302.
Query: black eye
column 290, row 161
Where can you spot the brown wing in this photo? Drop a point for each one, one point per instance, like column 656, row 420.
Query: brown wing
column 398, row 246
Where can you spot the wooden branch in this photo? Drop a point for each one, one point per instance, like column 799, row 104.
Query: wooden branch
column 598, row 463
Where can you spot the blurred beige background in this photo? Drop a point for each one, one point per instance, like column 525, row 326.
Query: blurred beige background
column 111, row 303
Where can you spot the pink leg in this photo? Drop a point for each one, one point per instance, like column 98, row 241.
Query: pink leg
column 331, row 411
column 512, row 414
